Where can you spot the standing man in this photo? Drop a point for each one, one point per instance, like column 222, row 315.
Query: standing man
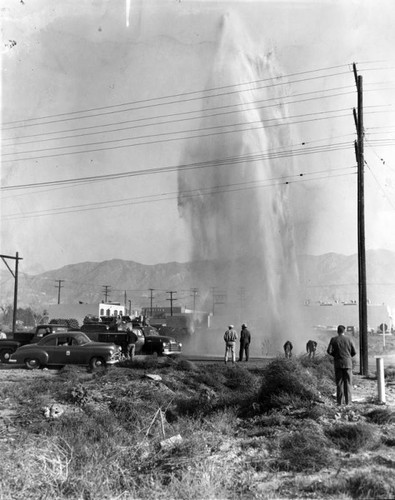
column 230, row 338
column 245, row 340
column 342, row 349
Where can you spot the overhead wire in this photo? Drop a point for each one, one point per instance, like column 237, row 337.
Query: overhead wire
column 181, row 94
column 110, row 148
column 262, row 123
column 270, row 154
column 177, row 195
column 199, row 117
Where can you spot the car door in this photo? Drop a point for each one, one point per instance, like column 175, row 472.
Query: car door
column 78, row 353
column 56, row 348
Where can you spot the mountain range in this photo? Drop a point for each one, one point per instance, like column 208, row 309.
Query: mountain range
column 327, row 277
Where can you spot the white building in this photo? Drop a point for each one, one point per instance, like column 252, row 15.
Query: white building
column 79, row 311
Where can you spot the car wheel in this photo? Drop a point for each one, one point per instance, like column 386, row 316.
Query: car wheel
column 5, row 355
column 32, row 363
column 97, row 363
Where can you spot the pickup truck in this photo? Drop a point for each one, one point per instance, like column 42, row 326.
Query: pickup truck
column 144, row 338
column 10, row 345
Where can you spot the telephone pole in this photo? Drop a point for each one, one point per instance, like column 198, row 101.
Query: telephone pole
column 151, row 299
column 15, row 275
column 171, row 302
column 195, row 292
column 362, row 296
column 106, row 292
column 59, row 286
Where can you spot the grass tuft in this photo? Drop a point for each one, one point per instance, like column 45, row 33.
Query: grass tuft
column 287, row 383
column 304, row 451
column 372, row 485
column 381, row 416
column 350, row 437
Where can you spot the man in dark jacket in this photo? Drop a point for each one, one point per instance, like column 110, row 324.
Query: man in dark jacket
column 245, row 340
column 342, row 349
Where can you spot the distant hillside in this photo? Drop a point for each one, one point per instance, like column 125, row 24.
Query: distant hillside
column 334, row 276
column 325, row 277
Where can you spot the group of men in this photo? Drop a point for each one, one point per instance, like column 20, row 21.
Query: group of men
column 341, row 348
column 230, row 338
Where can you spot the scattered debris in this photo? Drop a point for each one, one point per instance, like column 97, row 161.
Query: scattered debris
column 53, row 411
column 169, row 443
column 153, row 376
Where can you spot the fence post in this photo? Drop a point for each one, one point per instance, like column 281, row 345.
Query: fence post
column 380, row 379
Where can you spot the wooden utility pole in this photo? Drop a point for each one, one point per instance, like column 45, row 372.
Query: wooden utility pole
column 362, row 295
column 151, row 299
column 106, row 292
column 195, row 292
column 171, row 302
column 15, row 275
column 59, row 286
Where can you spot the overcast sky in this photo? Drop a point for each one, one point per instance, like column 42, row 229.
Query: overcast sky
column 86, row 163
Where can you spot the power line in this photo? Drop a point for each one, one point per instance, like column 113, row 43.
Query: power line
column 144, row 143
column 328, row 112
column 147, row 199
column 270, row 154
column 264, row 100
column 182, row 94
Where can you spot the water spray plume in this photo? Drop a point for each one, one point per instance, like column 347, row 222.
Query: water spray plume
column 127, row 12
column 246, row 237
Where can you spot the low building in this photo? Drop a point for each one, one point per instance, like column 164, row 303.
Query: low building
column 80, row 311
column 329, row 315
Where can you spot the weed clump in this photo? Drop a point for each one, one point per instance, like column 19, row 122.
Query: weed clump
column 304, row 451
column 381, row 416
column 287, row 383
column 389, row 373
column 351, row 437
column 372, row 485
column 239, row 379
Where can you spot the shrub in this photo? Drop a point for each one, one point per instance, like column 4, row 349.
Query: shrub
column 351, row 437
column 389, row 373
column 304, row 451
column 321, row 366
column 286, row 382
column 239, row 379
column 372, row 485
column 381, row 416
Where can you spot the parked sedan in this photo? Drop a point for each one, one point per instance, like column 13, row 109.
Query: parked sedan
column 66, row 348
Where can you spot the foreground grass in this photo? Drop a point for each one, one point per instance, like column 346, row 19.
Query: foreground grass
column 270, row 433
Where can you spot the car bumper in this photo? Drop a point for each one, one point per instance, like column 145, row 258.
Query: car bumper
column 172, row 349
column 112, row 361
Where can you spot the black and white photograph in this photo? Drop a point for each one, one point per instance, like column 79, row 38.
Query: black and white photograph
column 197, row 243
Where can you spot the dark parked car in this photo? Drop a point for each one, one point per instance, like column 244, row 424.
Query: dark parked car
column 66, row 348
column 18, row 339
column 144, row 338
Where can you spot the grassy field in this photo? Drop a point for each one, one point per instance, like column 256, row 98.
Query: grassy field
column 163, row 429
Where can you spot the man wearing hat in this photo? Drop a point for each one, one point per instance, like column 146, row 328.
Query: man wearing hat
column 230, row 338
column 245, row 340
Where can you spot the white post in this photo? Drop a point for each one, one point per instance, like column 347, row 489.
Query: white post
column 383, row 335
column 380, row 379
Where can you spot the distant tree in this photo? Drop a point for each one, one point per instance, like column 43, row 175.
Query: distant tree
column 7, row 313
column 25, row 316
